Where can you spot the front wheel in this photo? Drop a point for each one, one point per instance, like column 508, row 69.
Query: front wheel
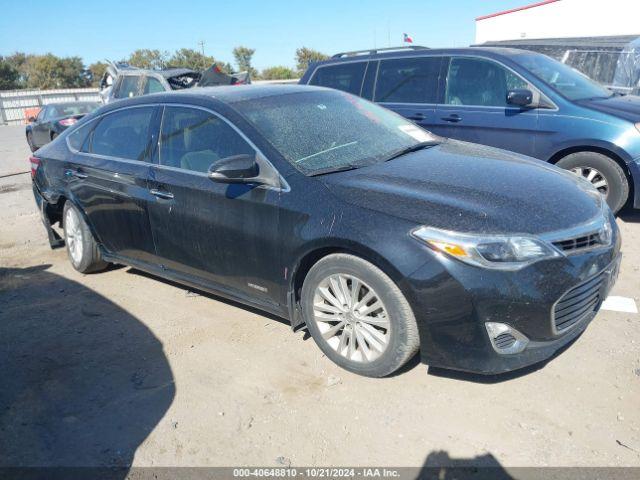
column 604, row 174
column 82, row 249
column 358, row 316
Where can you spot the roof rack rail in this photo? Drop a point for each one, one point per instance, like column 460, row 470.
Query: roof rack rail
column 378, row 50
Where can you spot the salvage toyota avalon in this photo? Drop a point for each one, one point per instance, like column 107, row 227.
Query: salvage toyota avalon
column 338, row 215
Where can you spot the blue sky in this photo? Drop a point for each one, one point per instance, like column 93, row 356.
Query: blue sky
column 113, row 28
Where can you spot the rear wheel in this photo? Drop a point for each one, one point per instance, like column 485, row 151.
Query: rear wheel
column 358, row 316
column 604, row 174
column 82, row 249
column 30, row 142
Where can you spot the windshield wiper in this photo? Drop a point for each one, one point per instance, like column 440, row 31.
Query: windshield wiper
column 410, row 149
column 341, row 168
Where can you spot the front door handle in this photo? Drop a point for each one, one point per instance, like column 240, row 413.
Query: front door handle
column 453, row 118
column 417, row 117
column 161, row 194
column 76, row 174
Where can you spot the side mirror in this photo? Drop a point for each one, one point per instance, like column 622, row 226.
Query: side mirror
column 235, row 169
column 245, row 169
column 520, row 97
column 31, row 119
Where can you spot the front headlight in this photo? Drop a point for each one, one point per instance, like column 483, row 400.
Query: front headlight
column 487, row 251
column 638, row 126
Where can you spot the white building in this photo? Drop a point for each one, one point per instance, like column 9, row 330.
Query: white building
column 600, row 38
column 561, row 19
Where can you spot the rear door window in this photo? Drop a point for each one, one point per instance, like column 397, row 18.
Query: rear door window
column 344, row 76
column 78, row 139
column 480, row 82
column 153, row 85
column 128, row 86
column 194, row 139
column 408, row 80
column 123, row 134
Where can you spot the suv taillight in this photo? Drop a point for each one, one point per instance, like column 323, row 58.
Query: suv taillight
column 35, row 163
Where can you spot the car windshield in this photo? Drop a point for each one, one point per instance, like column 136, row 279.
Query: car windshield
column 74, row 109
column 324, row 131
column 562, row 78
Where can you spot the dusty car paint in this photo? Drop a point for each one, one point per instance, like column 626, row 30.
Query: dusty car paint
column 255, row 244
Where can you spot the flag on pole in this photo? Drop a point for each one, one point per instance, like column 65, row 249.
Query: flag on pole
column 406, row 38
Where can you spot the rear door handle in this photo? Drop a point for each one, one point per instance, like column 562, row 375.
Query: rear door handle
column 453, row 118
column 417, row 116
column 76, row 174
column 161, row 194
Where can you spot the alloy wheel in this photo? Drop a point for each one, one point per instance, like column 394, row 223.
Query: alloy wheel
column 351, row 318
column 595, row 177
column 73, row 235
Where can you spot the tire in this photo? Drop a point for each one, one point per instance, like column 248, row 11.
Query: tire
column 53, row 136
column 30, row 142
column 82, row 249
column 361, row 356
column 606, row 169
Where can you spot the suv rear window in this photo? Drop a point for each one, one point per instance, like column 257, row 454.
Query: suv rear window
column 344, row 76
column 128, row 86
column 408, row 80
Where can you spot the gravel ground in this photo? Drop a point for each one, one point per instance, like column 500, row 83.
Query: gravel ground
column 121, row 368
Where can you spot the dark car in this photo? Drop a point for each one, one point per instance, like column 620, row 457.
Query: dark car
column 53, row 119
column 332, row 212
column 514, row 99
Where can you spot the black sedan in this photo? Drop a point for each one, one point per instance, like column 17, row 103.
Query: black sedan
column 53, row 119
column 338, row 215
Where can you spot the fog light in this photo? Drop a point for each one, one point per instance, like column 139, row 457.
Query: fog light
column 505, row 340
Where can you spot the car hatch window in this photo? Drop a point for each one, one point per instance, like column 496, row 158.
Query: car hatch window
column 408, row 80
column 128, row 86
column 194, row 139
column 344, row 76
column 123, row 134
column 153, row 85
column 479, row 82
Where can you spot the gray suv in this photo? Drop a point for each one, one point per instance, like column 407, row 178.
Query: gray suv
column 124, row 81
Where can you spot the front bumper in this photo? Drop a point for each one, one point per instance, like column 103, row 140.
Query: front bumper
column 452, row 302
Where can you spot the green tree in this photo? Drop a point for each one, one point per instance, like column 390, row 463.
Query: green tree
column 8, row 75
column 190, row 58
column 49, row 71
column 306, row 56
column 146, row 58
column 96, row 71
column 277, row 73
column 243, row 56
column 18, row 61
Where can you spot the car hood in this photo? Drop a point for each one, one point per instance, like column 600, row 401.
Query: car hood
column 626, row 107
column 469, row 188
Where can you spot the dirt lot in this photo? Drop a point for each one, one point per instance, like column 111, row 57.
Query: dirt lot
column 119, row 367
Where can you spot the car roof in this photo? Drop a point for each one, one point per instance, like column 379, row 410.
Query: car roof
column 66, row 104
column 401, row 53
column 226, row 94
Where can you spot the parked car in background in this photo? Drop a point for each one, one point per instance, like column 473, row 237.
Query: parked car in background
column 53, row 119
column 513, row 99
column 334, row 213
column 123, row 81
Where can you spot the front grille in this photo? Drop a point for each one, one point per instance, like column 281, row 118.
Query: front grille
column 579, row 243
column 577, row 303
column 504, row 340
